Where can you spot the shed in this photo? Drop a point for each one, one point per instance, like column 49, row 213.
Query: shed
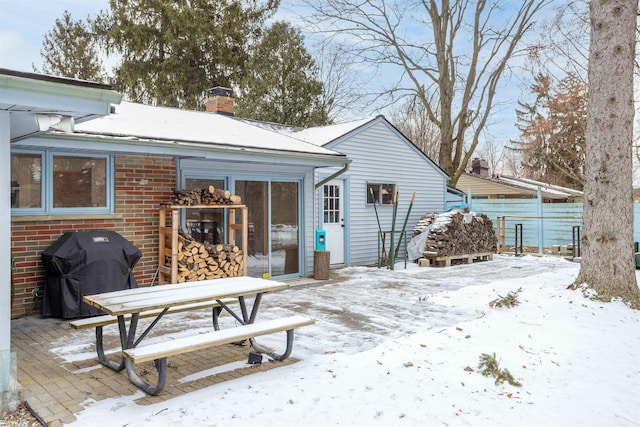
column 383, row 161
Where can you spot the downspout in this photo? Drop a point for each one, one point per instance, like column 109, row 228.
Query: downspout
column 334, row 175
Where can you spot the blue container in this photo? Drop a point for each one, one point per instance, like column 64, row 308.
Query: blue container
column 321, row 237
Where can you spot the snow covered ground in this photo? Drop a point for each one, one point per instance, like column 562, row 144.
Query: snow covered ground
column 402, row 348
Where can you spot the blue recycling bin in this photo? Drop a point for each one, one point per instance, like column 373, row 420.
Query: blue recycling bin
column 321, row 238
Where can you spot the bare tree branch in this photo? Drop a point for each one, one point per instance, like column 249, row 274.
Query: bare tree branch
column 450, row 55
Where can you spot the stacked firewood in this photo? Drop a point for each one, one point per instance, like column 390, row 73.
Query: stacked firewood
column 204, row 261
column 205, row 196
column 457, row 233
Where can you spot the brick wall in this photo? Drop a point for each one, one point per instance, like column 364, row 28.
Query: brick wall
column 141, row 184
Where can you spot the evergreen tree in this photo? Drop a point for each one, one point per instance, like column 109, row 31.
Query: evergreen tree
column 70, row 50
column 281, row 84
column 173, row 50
column 552, row 131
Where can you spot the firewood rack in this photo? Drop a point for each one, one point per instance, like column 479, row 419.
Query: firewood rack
column 168, row 236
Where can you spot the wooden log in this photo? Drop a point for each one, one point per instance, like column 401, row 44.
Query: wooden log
column 321, row 260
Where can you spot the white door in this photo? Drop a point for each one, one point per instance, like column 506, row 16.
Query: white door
column 333, row 220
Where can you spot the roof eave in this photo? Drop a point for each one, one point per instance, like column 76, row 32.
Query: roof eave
column 133, row 145
column 59, row 87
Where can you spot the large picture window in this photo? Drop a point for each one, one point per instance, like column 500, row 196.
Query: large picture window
column 56, row 183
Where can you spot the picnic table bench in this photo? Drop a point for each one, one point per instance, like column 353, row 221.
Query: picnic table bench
column 130, row 305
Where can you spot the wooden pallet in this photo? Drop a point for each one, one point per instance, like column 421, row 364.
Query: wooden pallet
column 435, row 260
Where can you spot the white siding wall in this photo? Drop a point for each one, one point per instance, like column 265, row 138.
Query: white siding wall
column 380, row 154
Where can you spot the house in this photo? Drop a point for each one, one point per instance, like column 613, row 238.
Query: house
column 115, row 171
column 383, row 161
column 31, row 104
column 479, row 185
column 139, row 154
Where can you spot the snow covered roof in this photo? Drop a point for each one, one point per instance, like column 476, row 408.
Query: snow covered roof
column 138, row 121
column 322, row 135
column 501, row 185
column 547, row 188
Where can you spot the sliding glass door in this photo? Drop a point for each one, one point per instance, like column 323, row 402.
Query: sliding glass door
column 274, row 226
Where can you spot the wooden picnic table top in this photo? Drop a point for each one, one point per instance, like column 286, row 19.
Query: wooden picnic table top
column 137, row 300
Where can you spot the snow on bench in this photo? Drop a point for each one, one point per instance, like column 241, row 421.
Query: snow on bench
column 212, row 339
column 107, row 319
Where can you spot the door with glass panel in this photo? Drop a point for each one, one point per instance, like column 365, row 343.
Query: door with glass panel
column 333, row 219
column 274, row 226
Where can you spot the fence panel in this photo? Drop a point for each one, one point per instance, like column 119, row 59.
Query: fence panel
column 543, row 224
column 559, row 220
column 517, row 211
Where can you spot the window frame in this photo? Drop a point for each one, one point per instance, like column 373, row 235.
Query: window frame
column 378, row 193
column 46, row 186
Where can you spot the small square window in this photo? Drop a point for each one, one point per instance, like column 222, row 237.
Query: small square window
column 380, row 193
column 79, row 182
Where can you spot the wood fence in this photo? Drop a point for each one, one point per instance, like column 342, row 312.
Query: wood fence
column 543, row 224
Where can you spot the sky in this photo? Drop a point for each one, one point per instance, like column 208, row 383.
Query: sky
column 24, row 23
column 408, row 353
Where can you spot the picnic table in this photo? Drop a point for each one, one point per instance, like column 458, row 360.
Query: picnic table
column 126, row 307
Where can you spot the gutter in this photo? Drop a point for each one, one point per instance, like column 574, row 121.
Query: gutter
column 332, row 176
column 134, row 145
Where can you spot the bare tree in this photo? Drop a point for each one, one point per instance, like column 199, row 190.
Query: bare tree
column 451, row 56
column 607, row 265
column 340, row 80
column 413, row 121
column 491, row 151
column 512, row 162
column 563, row 47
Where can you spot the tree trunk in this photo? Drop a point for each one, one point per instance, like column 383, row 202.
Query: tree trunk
column 608, row 265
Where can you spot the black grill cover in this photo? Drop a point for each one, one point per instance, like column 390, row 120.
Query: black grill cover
column 85, row 263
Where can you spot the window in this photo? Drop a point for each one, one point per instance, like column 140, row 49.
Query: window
column 331, row 202
column 26, row 180
column 79, row 182
column 50, row 183
column 383, row 194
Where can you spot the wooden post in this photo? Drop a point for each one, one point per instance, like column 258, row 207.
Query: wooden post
column 321, row 265
column 175, row 219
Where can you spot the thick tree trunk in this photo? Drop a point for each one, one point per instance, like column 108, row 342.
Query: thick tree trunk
column 608, row 265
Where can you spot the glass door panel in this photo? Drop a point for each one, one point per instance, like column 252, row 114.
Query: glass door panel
column 285, row 242
column 205, row 225
column 255, row 195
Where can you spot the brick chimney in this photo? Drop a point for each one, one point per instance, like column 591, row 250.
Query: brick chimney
column 480, row 167
column 220, row 101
